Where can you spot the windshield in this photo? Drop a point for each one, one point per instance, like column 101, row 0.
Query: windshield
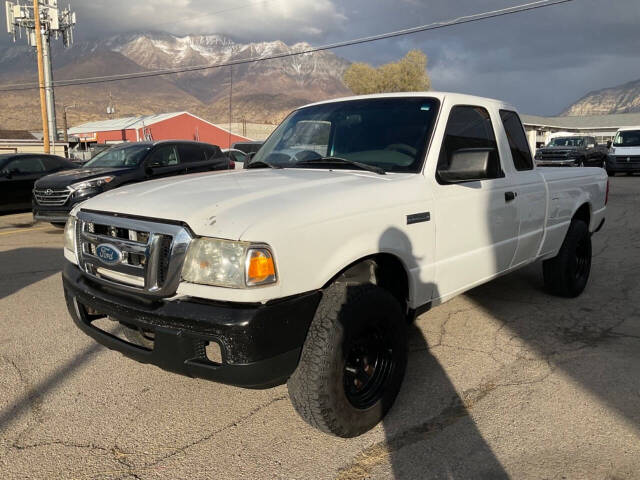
column 126, row 156
column 628, row 138
column 389, row 133
column 567, row 142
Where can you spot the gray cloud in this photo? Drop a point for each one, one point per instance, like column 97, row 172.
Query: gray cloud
column 540, row 61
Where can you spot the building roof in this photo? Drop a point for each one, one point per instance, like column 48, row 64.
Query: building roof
column 585, row 122
column 123, row 123
column 16, row 135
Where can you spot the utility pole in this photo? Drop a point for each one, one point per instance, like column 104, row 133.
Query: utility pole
column 41, row 82
column 40, row 22
column 65, row 126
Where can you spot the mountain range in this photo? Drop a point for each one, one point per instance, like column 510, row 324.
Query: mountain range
column 262, row 92
column 621, row 99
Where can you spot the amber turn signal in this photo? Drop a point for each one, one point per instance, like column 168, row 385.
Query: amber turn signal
column 260, row 267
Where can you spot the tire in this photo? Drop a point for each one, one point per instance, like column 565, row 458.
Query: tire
column 566, row 274
column 337, row 388
column 610, row 173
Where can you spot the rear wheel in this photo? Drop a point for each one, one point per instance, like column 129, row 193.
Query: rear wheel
column 353, row 360
column 567, row 273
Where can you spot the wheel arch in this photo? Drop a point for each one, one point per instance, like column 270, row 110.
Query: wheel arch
column 583, row 213
column 383, row 269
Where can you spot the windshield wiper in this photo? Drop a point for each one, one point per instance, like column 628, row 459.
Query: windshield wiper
column 342, row 161
column 262, row 164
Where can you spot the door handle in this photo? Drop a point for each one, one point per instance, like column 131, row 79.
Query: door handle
column 510, row 196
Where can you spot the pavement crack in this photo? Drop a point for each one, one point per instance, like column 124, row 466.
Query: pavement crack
column 132, row 470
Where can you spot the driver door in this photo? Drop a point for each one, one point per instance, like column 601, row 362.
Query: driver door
column 476, row 219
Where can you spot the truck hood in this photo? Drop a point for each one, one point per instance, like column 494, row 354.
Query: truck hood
column 226, row 204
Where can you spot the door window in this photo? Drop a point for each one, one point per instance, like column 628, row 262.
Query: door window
column 517, row 140
column 164, row 156
column 190, row 153
column 26, row 165
column 469, row 127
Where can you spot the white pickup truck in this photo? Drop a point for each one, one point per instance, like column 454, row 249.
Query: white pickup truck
column 355, row 216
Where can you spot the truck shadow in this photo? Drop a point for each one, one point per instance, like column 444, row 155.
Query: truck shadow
column 428, row 432
column 22, row 267
column 591, row 339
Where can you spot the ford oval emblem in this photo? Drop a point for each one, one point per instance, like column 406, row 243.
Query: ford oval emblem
column 109, row 254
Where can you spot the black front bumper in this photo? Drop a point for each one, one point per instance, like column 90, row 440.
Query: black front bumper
column 619, row 165
column 260, row 343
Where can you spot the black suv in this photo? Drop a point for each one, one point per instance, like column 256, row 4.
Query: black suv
column 19, row 172
column 55, row 195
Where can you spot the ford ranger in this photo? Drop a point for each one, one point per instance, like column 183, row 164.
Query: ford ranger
column 355, row 216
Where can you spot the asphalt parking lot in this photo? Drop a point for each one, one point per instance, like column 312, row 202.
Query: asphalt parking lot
column 504, row 381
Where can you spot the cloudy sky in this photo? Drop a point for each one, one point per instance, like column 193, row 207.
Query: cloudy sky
column 541, row 60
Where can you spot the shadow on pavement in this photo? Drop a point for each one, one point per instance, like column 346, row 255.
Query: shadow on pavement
column 37, row 392
column 22, row 267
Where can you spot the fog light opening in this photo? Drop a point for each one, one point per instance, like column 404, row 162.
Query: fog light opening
column 213, row 352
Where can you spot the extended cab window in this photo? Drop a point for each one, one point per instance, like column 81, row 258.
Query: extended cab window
column 517, row 140
column 469, row 150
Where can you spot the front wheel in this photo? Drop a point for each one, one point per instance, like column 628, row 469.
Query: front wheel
column 353, row 360
column 567, row 273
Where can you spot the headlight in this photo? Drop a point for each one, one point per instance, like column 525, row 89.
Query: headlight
column 93, row 183
column 225, row 263
column 70, row 234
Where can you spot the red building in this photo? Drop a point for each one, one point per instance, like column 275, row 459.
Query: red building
column 164, row 126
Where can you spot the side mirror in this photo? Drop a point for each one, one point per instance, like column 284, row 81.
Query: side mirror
column 467, row 164
column 608, row 143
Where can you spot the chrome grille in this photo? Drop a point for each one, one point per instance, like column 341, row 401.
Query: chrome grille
column 51, row 197
column 151, row 256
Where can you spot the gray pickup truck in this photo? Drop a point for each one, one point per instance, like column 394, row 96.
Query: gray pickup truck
column 572, row 151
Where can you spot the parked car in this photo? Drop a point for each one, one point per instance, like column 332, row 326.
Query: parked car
column 248, row 147
column 574, row 151
column 307, row 267
column 238, row 157
column 55, row 195
column 18, row 173
column 624, row 155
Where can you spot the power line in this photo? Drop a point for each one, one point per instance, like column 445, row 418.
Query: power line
column 408, row 31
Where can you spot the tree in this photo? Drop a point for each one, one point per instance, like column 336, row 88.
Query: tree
column 408, row 74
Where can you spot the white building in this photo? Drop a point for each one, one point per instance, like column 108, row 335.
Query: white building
column 602, row 127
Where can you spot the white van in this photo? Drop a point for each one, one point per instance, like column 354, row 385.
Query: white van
column 624, row 155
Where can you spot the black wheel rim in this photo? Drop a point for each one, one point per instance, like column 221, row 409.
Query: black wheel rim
column 582, row 259
column 368, row 368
